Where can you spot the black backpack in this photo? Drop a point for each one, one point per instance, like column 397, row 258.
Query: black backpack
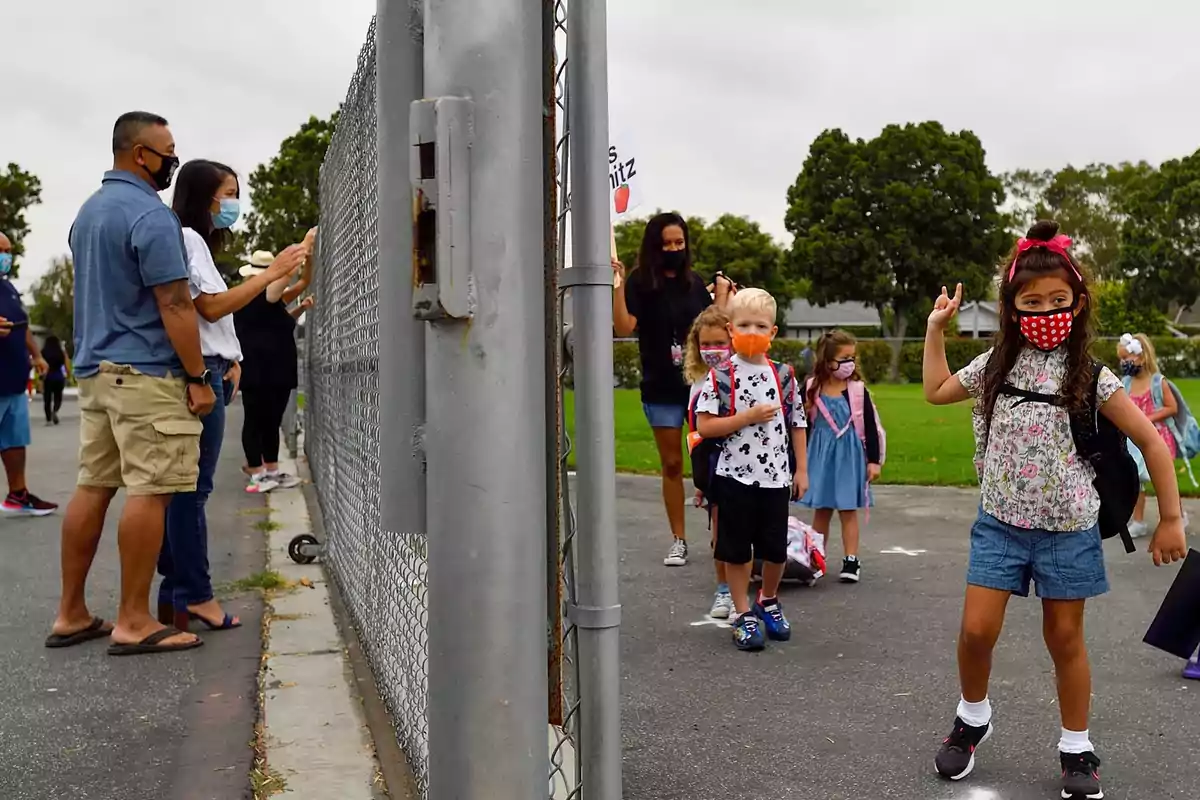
column 1105, row 447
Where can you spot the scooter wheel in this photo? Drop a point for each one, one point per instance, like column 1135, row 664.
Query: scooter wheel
column 296, row 551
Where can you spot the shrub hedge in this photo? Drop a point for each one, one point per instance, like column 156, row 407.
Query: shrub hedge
column 1178, row 358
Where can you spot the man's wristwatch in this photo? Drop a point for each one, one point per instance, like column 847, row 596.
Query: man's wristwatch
column 198, row 380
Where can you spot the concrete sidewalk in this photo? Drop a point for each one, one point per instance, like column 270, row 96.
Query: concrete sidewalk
column 857, row 703
column 77, row 723
column 315, row 731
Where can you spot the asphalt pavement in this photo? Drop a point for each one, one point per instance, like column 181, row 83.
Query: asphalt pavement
column 857, row 703
column 79, row 724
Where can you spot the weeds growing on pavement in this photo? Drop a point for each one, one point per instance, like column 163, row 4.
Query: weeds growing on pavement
column 267, row 526
column 267, row 581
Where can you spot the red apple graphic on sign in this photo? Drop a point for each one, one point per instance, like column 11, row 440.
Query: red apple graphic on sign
column 621, row 198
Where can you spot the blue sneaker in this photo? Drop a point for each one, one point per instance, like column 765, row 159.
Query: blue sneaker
column 747, row 634
column 778, row 628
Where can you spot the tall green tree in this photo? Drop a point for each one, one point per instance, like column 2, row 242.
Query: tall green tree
column 233, row 256
column 749, row 256
column 1090, row 203
column 1117, row 313
column 54, row 300
column 1160, row 239
column 889, row 221
column 285, row 192
column 18, row 191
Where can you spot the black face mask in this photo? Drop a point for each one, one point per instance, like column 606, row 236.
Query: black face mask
column 162, row 176
column 674, row 260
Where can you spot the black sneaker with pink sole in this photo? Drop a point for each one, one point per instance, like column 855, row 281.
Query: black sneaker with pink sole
column 27, row 504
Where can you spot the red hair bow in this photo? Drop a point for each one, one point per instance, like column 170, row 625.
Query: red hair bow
column 1059, row 244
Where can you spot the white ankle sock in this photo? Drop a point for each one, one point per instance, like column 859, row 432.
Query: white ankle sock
column 1075, row 742
column 975, row 714
column 1195, row 659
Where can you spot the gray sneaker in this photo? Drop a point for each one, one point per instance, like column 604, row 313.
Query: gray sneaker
column 283, row 480
column 677, row 555
column 722, row 606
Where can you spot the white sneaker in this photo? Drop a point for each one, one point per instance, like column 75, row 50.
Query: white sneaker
column 261, row 484
column 677, row 555
column 1138, row 529
column 722, row 605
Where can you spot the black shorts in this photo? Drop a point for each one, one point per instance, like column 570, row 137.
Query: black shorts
column 753, row 522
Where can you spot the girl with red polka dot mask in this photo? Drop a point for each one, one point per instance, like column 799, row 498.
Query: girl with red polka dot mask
column 1040, row 502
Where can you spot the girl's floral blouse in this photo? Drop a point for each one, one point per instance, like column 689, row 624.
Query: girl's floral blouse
column 1029, row 472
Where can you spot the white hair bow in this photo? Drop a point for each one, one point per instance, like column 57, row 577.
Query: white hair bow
column 1131, row 345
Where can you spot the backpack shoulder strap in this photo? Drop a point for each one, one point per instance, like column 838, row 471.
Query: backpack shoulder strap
column 785, row 382
column 1156, row 390
column 857, row 392
column 1084, row 423
column 723, row 377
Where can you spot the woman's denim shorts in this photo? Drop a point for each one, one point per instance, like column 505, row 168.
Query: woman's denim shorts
column 661, row 415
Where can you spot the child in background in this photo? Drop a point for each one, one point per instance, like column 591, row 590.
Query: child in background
column 1039, row 511
column 743, row 405
column 1143, row 382
column 841, row 465
column 707, row 346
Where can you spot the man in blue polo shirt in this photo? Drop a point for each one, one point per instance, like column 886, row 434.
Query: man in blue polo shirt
column 142, row 386
column 17, row 346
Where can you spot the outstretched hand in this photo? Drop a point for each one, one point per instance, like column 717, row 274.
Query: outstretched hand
column 945, row 308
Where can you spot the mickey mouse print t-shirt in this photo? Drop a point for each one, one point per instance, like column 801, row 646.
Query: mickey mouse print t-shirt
column 756, row 455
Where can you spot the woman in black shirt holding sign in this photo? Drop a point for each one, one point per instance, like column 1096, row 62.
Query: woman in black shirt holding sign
column 660, row 300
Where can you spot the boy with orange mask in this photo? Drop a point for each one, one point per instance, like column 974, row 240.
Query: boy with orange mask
column 752, row 405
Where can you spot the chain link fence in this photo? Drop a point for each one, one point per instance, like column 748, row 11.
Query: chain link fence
column 382, row 575
column 565, row 776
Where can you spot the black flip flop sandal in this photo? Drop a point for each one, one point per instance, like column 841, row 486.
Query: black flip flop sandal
column 94, row 631
column 152, row 644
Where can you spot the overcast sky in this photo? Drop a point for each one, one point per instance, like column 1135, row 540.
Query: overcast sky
column 721, row 98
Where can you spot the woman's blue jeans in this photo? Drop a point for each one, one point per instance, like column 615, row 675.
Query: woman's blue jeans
column 183, row 560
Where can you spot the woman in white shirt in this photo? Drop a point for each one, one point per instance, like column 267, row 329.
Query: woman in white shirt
column 206, row 202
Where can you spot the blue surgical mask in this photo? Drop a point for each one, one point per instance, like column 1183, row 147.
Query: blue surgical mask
column 231, row 209
column 5, row 263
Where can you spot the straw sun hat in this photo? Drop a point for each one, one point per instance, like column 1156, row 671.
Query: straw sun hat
column 258, row 264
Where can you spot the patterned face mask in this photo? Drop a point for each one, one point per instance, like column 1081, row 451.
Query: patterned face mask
column 1046, row 330
column 714, row 355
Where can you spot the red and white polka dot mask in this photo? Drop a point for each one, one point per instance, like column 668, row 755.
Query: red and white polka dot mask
column 1047, row 330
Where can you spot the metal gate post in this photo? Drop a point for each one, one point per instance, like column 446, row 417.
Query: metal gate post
column 399, row 70
column 597, row 612
column 477, row 163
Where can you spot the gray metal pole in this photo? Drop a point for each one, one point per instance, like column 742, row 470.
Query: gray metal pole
column 486, row 411
column 398, row 79
column 597, row 611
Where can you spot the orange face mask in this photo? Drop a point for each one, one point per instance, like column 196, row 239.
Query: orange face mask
column 750, row 345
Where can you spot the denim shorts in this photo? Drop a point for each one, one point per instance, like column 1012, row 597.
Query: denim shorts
column 662, row 415
column 14, row 421
column 1062, row 565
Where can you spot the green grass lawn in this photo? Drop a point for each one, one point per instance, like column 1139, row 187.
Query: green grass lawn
column 926, row 445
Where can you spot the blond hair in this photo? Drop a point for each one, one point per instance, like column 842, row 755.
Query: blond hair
column 1149, row 360
column 694, row 367
column 753, row 300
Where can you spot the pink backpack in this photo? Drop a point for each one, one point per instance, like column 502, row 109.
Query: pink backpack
column 858, row 418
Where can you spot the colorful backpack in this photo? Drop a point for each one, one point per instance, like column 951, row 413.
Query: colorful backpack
column 857, row 390
column 705, row 453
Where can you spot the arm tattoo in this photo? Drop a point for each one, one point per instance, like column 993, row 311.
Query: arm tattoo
column 174, row 296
